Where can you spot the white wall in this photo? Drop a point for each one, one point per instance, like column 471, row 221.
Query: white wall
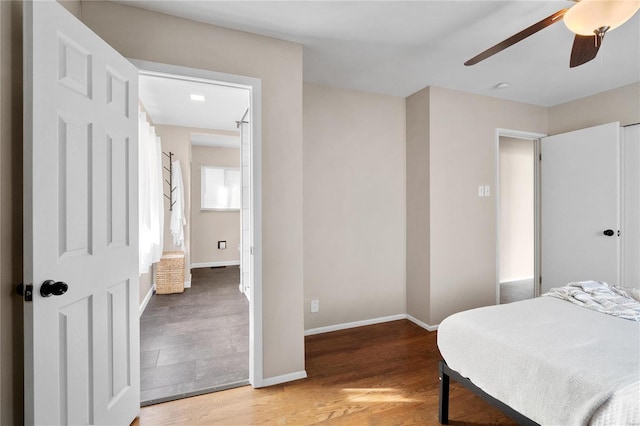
column 516, row 194
column 151, row 36
column 354, row 205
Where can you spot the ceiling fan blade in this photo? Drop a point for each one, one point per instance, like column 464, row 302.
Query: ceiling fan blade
column 585, row 48
column 556, row 17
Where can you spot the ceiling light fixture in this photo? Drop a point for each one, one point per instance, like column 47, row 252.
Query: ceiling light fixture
column 589, row 17
column 197, row 98
column 501, row 85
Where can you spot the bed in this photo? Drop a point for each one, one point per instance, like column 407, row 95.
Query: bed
column 546, row 361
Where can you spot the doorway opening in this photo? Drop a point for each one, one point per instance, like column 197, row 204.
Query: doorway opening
column 210, row 338
column 517, row 221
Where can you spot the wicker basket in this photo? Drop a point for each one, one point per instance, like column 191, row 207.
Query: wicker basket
column 170, row 273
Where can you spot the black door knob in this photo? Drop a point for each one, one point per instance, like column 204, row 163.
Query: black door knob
column 53, row 288
column 608, row 232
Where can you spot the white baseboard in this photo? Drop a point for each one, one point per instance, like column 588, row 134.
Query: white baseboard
column 424, row 325
column 215, row 264
column 372, row 321
column 271, row 381
column 354, row 324
column 146, row 299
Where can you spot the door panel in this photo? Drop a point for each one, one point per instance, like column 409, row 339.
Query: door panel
column 81, row 347
column 631, row 207
column 580, row 199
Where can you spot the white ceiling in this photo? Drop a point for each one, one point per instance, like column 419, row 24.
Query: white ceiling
column 168, row 102
column 400, row 47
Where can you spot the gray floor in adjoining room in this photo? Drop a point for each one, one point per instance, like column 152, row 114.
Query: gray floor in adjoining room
column 515, row 291
column 195, row 340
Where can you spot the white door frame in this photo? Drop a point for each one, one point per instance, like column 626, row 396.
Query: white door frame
column 254, row 85
column 535, row 137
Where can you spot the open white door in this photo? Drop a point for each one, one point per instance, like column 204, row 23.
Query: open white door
column 82, row 362
column 630, row 238
column 580, row 206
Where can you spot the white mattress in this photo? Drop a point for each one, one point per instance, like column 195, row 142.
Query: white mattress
column 552, row 361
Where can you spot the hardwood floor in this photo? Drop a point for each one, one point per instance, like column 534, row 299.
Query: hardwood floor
column 383, row 374
column 197, row 340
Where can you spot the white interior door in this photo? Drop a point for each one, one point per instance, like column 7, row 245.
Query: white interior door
column 631, row 206
column 580, row 200
column 81, row 227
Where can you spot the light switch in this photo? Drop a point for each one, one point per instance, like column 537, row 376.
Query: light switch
column 481, row 191
column 487, row 190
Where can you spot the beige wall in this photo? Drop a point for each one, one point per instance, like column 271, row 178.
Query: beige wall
column 145, row 35
column 462, row 156
column 209, row 226
column 516, row 209
column 621, row 104
column 73, row 6
column 354, row 205
column 11, row 326
column 418, row 236
column 178, row 141
column 145, row 283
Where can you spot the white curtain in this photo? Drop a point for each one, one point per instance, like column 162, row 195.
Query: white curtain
column 150, row 184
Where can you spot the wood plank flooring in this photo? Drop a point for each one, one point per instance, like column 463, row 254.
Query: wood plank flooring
column 195, row 340
column 383, row 374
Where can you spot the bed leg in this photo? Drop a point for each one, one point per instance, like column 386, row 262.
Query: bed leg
column 443, row 407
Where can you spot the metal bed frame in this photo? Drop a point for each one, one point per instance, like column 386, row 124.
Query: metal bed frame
column 447, row 373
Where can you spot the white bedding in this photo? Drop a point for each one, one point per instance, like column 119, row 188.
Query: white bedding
column 602, row 297
column 554, row 362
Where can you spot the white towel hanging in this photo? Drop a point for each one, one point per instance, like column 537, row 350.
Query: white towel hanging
column 178, row 219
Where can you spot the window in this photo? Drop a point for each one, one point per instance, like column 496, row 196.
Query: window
column 220, row 188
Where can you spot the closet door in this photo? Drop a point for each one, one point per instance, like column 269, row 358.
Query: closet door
column 580, row 206
column 631, row 206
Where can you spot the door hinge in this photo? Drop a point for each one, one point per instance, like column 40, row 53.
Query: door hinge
column 25, row 291
column 540, row 157
column 541, row 279
column 251, row 250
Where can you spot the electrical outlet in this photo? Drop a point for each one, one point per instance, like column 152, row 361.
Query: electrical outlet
column 315, row 305
column 222, row 245
column 481, row 191
column 487, row 190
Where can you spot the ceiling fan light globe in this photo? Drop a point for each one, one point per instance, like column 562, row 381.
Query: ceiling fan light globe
column 587, row 16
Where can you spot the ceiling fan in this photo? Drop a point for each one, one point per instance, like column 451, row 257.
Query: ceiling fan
column 588, row 19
